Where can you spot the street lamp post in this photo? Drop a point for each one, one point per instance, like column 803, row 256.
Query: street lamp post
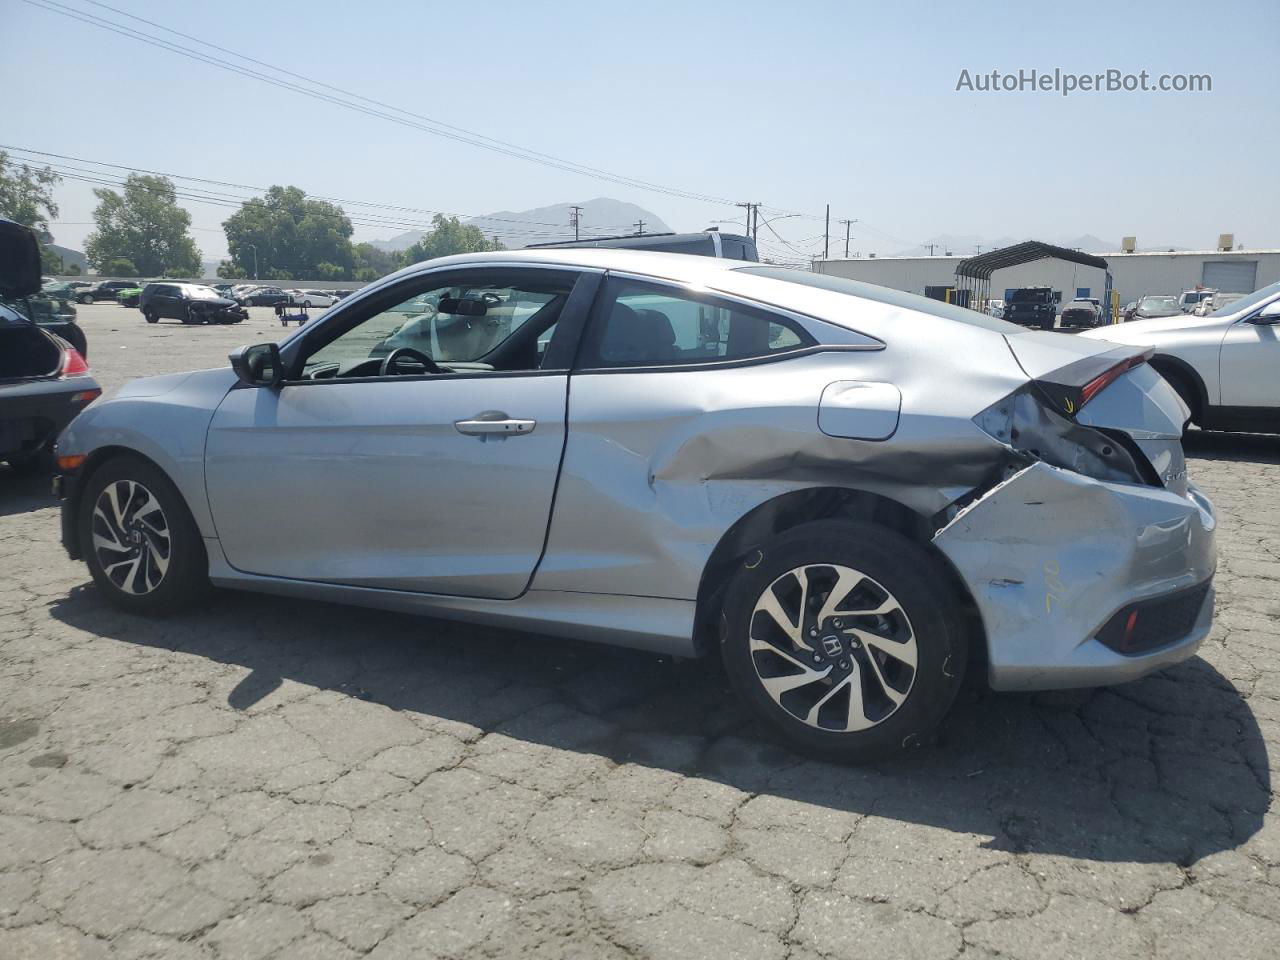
column 254, row 248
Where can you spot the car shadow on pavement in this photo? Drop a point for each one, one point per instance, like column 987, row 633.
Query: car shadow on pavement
column 1168, row 769
column 24, row 492
column 1242, row 447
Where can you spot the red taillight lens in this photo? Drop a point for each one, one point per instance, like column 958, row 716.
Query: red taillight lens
column 73, row 365
column 1103, row 380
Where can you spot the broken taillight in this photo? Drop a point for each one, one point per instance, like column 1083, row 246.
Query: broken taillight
column 73, row 365
column 1106, row 378
column 1071, row 387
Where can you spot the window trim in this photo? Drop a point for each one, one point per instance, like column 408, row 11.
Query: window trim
column 700, row 294
column 351, row 312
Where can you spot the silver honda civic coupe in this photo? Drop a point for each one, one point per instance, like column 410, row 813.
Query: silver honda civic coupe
column 851, row 494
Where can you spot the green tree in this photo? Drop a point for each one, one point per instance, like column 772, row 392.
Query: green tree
column 73, row 270
column 293, row 235
column 447, row 237
column 144, row 225
column 26, row 197
column 118, row 267
column 372, row 263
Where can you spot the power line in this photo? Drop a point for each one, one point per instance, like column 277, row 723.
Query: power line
column 227, row 201
column 244, row 186
column 407, row 118
column 376, row 108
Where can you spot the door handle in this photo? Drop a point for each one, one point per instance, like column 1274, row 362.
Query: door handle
column 494, row 423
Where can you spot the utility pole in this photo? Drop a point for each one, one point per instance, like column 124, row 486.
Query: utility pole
column 575, row 218
column 826, row 232
column 254, row 247
column 931, row 246
column 847, row 225
column 639, row 228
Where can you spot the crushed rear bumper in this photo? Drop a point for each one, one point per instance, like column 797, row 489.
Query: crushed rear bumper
column 1051, row 557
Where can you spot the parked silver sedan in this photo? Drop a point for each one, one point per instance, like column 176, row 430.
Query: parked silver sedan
column 848, row 493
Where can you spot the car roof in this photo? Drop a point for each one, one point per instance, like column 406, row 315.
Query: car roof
column 761, row 282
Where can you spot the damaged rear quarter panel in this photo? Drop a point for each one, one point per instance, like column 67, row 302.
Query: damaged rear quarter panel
column 1051, row 555
column 660, row 464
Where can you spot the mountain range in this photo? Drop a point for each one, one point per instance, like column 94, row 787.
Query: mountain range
column 600, row 217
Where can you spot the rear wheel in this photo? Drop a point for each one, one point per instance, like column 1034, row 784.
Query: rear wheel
column 846, row 638
column 142, row 546
column 151, row 316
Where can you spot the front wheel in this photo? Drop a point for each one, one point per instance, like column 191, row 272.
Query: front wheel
column 142, row 546
column 846, row 637
column 151, row 316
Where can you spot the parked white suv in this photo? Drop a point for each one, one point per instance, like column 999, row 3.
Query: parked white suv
column 1224, row 365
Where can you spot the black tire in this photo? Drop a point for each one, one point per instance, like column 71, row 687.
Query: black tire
column 85, row 298
column 186, row 580
column 151, row 316
column 894, row 565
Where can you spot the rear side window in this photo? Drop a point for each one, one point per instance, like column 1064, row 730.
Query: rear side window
column 639, row 324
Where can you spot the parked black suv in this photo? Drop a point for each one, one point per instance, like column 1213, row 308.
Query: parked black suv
column 106, row 290
column 188, row 302
column 1032, row 307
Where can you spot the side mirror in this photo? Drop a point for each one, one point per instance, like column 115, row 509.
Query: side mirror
column 1268, row 315
column 259, row 365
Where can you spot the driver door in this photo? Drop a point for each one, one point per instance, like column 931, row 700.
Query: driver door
column 405, row 478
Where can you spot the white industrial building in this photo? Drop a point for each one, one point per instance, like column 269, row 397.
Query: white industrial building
column 1133, row 274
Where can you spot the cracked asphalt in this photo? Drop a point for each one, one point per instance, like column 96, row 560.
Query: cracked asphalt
column 269, row 778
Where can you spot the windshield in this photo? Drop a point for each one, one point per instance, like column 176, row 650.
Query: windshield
column 197, row 292
column 869, row 291
column 1159, row 306
column 1245, row 303
column 1029, row 296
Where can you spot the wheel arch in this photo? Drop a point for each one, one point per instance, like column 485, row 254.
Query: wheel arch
column 781, row 513
column 1179, row 369
column 103, row 455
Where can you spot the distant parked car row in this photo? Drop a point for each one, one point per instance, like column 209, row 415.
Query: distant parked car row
column 1201, row 303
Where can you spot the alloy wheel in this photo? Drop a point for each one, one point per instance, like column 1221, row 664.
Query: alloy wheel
column 131, row 537
column 833, row 648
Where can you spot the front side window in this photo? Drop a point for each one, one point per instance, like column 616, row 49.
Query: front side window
column 644, row 325
column 455, row 321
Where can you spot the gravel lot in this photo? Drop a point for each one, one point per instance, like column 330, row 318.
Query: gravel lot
column 272, row 779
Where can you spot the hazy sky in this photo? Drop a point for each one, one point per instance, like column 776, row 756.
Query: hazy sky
column 796, row 105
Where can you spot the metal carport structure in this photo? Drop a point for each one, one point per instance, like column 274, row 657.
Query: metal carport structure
column 973, row 276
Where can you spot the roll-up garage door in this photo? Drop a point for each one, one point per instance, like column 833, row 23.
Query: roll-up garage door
column 1231, row 276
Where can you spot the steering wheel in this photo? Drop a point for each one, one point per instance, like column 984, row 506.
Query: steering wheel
column 389, row 362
